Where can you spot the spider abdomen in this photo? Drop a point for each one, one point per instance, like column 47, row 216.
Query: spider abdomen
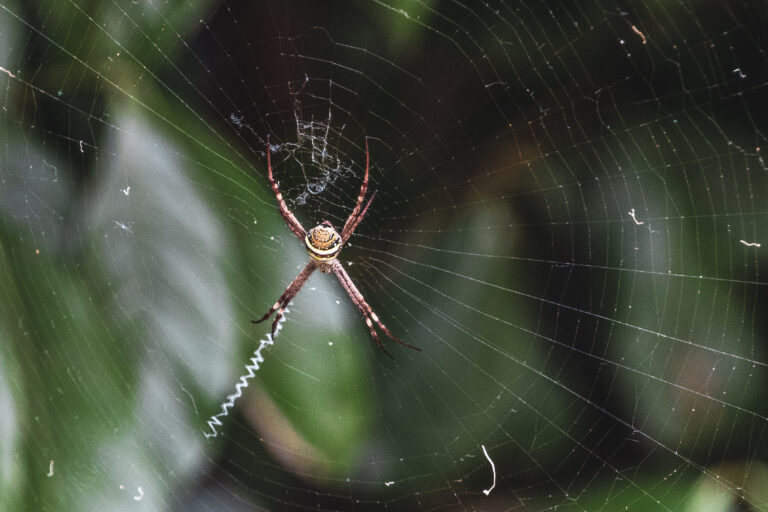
column 323, row 242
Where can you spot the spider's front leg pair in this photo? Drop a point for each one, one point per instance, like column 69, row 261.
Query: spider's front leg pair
column 324, row 245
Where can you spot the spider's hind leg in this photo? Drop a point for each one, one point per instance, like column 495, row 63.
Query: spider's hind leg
column 368, row 314
column 281, row 305
column 386, row 331
column 287, row 296
column 269, row 313
column 280, row 314
column 375, row 336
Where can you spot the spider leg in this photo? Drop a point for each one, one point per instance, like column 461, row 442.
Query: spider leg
column 352, row 220
column 290, row 219
column 374, row 334
column 359, row 218
column 285, row 298
column 287, row 295
column 368, row 314
column 362, row 308
column 386, row 331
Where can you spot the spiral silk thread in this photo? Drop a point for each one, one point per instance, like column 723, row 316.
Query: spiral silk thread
column 242, row 383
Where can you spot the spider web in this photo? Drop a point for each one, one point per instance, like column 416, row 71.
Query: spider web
column 570, row 222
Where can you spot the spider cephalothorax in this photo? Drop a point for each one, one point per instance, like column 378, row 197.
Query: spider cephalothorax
column 324, row 244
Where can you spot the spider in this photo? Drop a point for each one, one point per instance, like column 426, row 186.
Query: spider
column 324, row 244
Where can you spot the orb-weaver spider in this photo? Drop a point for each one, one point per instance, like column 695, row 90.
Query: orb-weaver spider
column 324, row 245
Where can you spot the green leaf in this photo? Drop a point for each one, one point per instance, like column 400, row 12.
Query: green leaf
column 12, row 397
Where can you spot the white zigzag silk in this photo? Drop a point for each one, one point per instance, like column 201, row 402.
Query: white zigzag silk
column 251, row 368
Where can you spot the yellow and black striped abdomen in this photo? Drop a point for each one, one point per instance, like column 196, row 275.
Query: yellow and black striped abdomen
column 323, row 242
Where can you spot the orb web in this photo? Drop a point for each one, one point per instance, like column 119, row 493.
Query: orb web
column 570, row 222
